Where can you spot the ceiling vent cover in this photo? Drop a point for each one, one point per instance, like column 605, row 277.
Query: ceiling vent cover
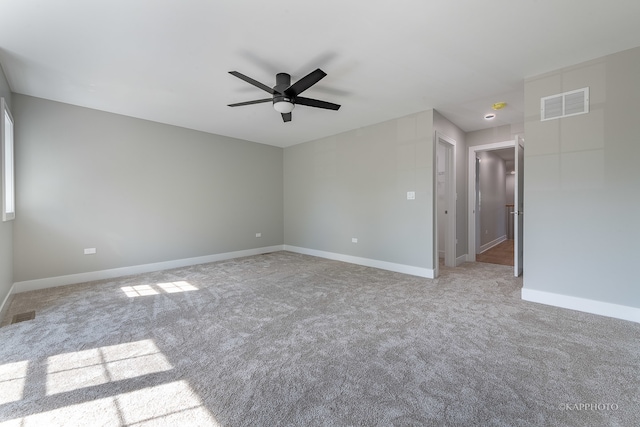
column 564, row 104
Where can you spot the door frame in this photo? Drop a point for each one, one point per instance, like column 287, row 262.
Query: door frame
column 451, row 197
column 518, row 200
column 471, row 190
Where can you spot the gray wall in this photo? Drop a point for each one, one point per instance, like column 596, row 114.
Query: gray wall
column 491, row 135
column 444, row 126
column 138, row 191
column 355, row 185
column 582, row 180
column 510, row 187
column 493, row 197
column 6, row 228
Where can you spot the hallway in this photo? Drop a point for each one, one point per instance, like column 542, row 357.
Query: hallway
column 500, row 254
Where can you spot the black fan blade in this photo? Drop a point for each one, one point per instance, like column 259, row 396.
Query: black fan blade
column 286, row 117
column 316, row 103
column 305, row 83
column 251, row 81
column 257, row 101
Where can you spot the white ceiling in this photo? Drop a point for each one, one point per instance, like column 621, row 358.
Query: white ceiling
column 168, row 60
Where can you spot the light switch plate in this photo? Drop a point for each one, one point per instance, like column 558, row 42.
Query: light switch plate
column 411, row 195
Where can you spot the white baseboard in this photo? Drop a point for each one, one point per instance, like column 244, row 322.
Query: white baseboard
column 493, row 243
column 50, row 282
column 582, row 304
column 4, row 307
column 383, row 265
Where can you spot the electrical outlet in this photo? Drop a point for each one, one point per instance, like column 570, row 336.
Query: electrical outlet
column 258, row 234
column 354, row 240
column 89, row 251
column 411, row 195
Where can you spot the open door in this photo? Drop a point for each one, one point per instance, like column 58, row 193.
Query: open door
column 518, row 220
column 445, row 200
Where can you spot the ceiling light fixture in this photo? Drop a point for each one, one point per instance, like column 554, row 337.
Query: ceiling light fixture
column 489, row 116
column 499, row 105
column 283, row 104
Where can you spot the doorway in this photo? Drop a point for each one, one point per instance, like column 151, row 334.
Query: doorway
column 495, row 217
column 445, row 206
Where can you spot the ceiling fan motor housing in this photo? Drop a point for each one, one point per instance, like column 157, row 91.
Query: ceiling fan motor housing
column 282, row 98
column 283, row 81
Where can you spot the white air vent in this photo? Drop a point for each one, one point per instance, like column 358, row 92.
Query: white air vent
column 564, row 104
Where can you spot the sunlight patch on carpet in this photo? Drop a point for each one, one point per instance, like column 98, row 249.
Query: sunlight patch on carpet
column 12, row 379
column 72, row 371
column 169, row 288
column 173, row 287
column 174, row 403
column 139, row 290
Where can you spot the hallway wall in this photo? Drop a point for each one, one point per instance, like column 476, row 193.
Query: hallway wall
column 493, row 198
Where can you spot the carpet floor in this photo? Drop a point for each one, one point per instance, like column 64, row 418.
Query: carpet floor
column 286, row 339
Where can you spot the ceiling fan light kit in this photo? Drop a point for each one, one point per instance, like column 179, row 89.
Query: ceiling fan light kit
column 283, row 104
column 285, row 95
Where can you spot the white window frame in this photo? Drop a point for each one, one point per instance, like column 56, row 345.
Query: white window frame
column 7, row 167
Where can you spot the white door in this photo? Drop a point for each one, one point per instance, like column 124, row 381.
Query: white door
column 518, row 220
column 441, row 185
column 445, row 201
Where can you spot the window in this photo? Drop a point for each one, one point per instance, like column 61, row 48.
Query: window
column 6, row 137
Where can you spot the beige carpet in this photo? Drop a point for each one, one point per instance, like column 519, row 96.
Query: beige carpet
column 286, row 339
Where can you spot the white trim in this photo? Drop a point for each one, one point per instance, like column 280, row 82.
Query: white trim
column 518, row 212
column 50, row 282
column 367, row 262
column 471, row 185
column 452, row 188
column 616, row 311
column 492, row 244
column 461, row 259
column 7, row 302
column 8, row 178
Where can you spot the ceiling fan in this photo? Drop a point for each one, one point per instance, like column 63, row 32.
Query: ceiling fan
column 285, row 95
